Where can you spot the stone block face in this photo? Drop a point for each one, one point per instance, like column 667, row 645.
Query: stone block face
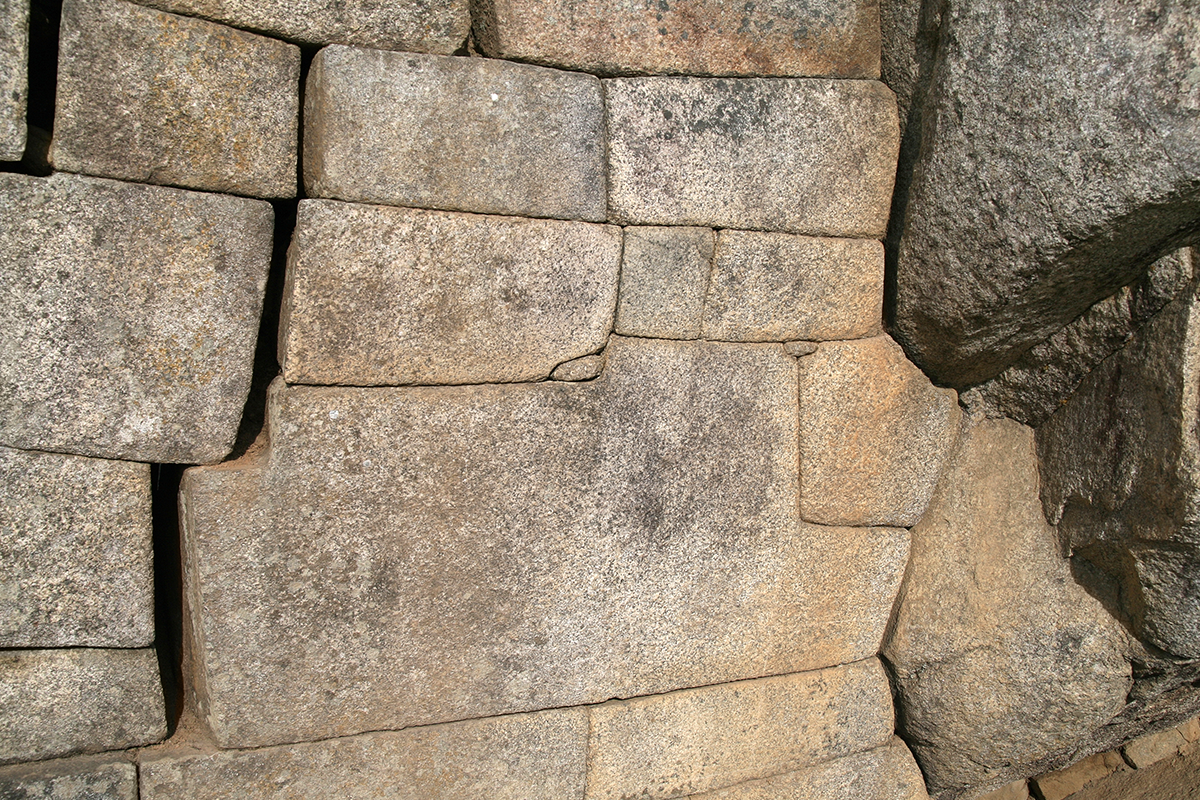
column 1154, row 747
column 88, row 778
column 873, row 435
column 815, row 157
column 774, row 287
column 410, row 25
column 156, row 98
column 538, row 756
column 75, row 552
column 391, row 296
column 410, row 556
column 1063, row 783
column 664, row 274
column 692, row 37
column 14, row 79
column 129, row 317
column 61, row 702
column 517, row 139
column 1000, row 658
column 698, row 740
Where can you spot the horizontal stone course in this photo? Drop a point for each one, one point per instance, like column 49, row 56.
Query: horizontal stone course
column 85, row 778
column 14, row 88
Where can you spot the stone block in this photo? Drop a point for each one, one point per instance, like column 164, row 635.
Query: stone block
column 1000, row 658
column 664, row 272
column 1014, row 790
column 14, row 79
column 391, row 296
column 774, row 287
column 87, row 778
column 580, row 369
column 517, row 139
column 697, row 740
column 156, row 98
column 838, row 38
column 1037, row 190
column 75, row 552
column 62, row 702
column 1190, row 729
column 410, row 25
column 411, row 556
column 873, row 435
column 885, row 773
column 128, row 317
column 538, row 756
column 803, row 156
column 1154, row 747
column 1062, row 783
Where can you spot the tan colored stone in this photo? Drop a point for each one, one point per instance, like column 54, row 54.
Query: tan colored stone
column 156, row 98
column 664, row 272
column 1190, row 730
column 516, row 139
column 87, row 778
column 698, row 740
column 873, row 435
column 838, row 38
column 1154, row 747
column 800, row 349
column 391, row 296
column 580, row 369
column 803, row 156
column 14, row 88
column 1016, row 790
column 772, row 287
column 1065, row 782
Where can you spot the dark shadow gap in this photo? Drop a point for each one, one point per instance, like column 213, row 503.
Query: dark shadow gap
column 44, row 16
column 168, row 586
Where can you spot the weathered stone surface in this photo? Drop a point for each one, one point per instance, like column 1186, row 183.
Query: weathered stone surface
column 517, row 139
column 87, row 778
column 1000, row 658
column 803, row 156
column 579, row 369
column 410, row 25
column 388, row 296
column 772, row 287
column 538, row 756
column 873, row 435
column 128, row 317
column 800, row 349
column 1013, row 790
column 75, row 552
column 1121, row 470
column 698, row 740
column 1065, row 782
column 1060, row 154
column 1154, row 747
column 885, row 773
column 14, row 87
column 61, row 702
column 410, row 556
column 664, row 272
column 838, row 38
column 155, row 98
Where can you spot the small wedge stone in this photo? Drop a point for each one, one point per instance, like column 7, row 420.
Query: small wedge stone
column 14, row 88
column 664, row 272
column 580, row 369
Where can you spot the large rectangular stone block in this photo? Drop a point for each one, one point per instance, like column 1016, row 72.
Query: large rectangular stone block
column 803, row 156
column 156, row 98
column 14, row 79
column 75, row 552
column 689, row 37
column 87, row 778
column 389, row 296
column 409, row 556
column 459, row 134
column 128, row 317
column 538, row 756
column 61, row 702
column 698, row 740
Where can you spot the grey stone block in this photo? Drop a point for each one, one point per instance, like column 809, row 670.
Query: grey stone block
column 803, row 156
column 128, row 317
column 410, row 556
column 580, row 369
column 391, row 296
column 694, row 37
column 62, row 702
column 538, row 756
column 517, row 139
column 411, row 25
column 75, row 552
column 774, row 287
column 14, row 83
column 697, row 740
column 87, row 778
column 156, row 98
column 664, row 274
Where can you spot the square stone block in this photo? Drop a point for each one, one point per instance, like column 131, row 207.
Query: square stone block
column 664, row 272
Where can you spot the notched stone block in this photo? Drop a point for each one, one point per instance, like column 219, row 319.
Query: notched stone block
column 87, row 778
column 14, row 78
column 157, row 98
column 664, row 274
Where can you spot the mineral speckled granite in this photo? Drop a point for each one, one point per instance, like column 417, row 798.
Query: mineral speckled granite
column 14, row 89
column 664, row 275
column 85, row 778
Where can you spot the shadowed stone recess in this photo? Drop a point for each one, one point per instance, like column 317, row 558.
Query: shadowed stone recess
column 128, row 316
column 516, row 139
column 156, row 98
column 391, row 296
column 836, row 38
column 14, row 88
column 75, row 552
column 803, row 156
column 85, row 778
column 664, row 274
column 408, row 556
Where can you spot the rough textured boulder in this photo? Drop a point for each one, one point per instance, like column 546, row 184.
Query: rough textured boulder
column 14, row 89
column 1060, row 155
